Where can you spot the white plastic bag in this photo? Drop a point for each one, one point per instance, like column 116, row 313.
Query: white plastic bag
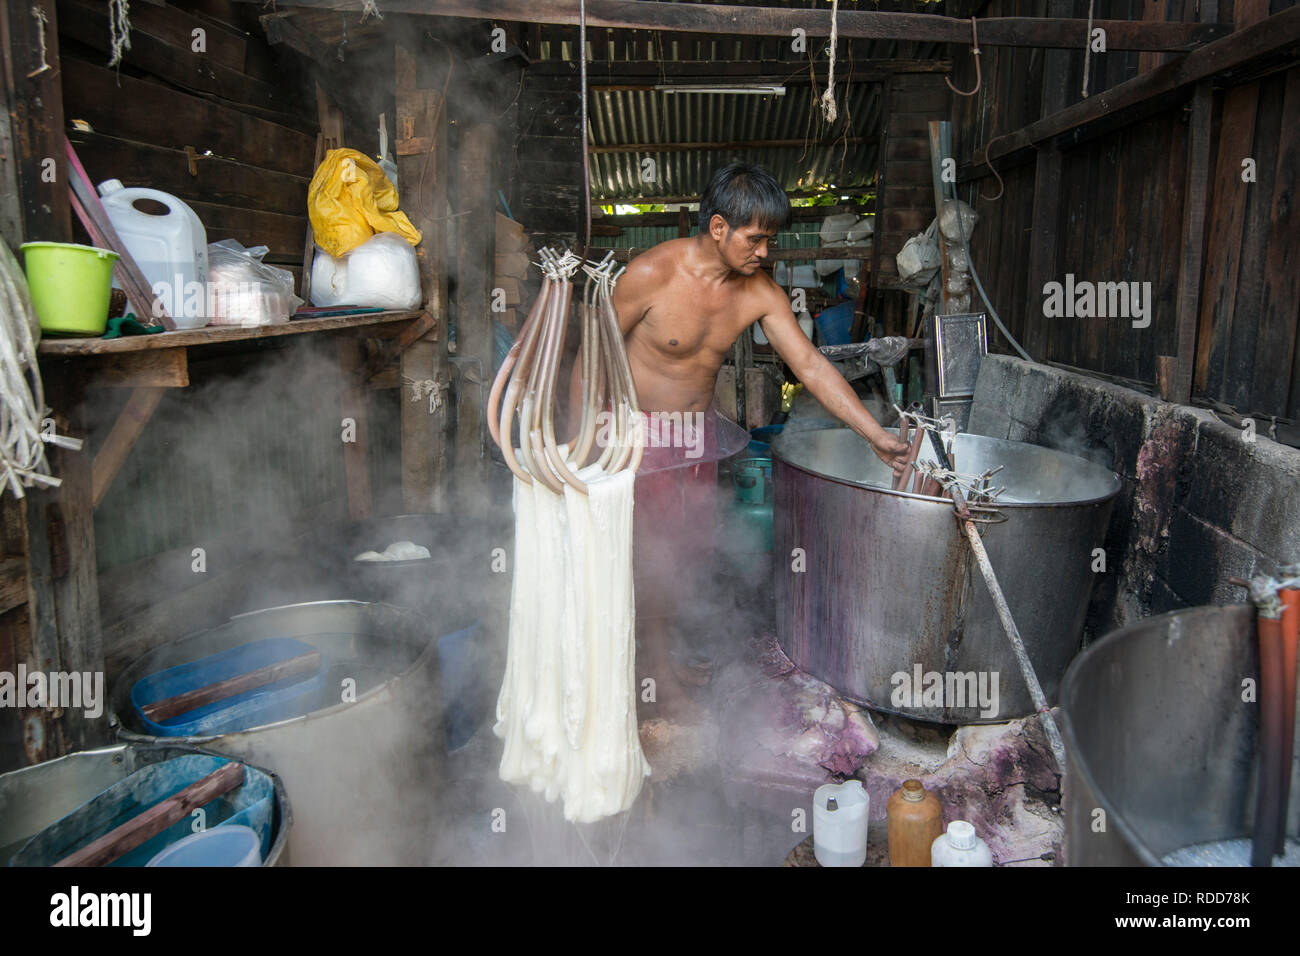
column 381, row 272
column 862, row 230
column 948, row 220
column 836, row 228
column 244, row 290
column 918, row 260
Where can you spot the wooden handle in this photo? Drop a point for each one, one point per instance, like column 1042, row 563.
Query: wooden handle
column 149, row 823
column 169, row 707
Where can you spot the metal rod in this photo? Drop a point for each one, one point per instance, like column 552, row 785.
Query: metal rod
column 1004, row 612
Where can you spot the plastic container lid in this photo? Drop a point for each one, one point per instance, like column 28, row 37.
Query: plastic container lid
column 232, row 845
column 110, row 186
column 961, row 835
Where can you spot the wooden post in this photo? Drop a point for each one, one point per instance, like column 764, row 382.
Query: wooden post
column 1179, row 386
column 422, row 181
column 475, row 255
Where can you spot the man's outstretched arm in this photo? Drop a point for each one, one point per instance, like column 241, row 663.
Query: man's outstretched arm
column 826, row 384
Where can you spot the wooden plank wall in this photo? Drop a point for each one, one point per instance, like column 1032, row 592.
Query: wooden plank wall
column 1121, row 210
column 905, row 195
column 239, row 100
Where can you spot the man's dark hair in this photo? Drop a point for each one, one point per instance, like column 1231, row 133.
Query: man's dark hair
column 743, row 193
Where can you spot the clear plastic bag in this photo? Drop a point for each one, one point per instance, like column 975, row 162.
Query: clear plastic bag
column 244, row 290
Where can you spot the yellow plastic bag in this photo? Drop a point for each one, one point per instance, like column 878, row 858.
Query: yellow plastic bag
column 350, row 199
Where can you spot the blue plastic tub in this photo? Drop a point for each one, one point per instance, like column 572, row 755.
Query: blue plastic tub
column 251, row 805
column 290, row 697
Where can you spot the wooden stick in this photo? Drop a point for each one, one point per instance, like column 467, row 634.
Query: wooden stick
column 123, row 839
column 202, row 696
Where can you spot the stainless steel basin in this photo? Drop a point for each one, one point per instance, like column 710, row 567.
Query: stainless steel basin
column 872, row 583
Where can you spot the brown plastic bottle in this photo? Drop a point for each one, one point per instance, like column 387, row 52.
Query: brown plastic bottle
column 915, row 821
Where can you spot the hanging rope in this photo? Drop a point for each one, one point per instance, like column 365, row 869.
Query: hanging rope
column 586, row 160
column 370, row 9
column 975, row 52
column 23, row 432
column 119, row 30
column 41, row 20
column 1087, row 49
column 829, row 111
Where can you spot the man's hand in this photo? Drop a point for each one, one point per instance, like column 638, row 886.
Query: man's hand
column 890, row 449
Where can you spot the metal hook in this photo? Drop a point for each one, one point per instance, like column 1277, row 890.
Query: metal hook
column 975, row 51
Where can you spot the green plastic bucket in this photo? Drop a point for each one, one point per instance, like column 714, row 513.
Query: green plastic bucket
column 70, row 286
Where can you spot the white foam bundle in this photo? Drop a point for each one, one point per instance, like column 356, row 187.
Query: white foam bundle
column 567, row 707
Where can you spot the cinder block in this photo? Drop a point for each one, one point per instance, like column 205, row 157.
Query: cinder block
column 1251, row 489
column 1199, row 559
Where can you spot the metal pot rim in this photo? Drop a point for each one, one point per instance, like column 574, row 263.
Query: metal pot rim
column 126, row 734
column 1116, row 483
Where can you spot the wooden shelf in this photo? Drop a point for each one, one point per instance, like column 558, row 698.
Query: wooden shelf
column 75, row 347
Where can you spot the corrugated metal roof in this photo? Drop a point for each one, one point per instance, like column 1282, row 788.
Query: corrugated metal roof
column 624, row 117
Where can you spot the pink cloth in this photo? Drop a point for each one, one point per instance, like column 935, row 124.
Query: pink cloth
column 676, row 507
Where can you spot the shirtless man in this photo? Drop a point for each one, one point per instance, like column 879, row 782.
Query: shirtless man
column 681, row 306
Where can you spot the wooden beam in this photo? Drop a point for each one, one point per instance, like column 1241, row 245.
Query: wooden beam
column 35, row 105
column 734, row 21
column 421, row 115
column 166, row 368
column 1177, row 383
column 751, row 144
column 217, row 334
column 614, row 74
column 476, row 249
column 121, row 439
column 776, row 255
column 1266, row 38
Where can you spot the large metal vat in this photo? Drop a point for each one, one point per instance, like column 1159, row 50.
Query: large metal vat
column 32, row 798
column 363, row 774
column 885, row 583
column 1160, row 743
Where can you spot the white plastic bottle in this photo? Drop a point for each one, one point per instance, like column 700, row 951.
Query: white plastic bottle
column 171, row 249
column 960, row 847
column 840, row 828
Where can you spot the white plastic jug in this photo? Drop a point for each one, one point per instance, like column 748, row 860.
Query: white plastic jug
column 960, row 847
column 840, row 834
column 171, row 249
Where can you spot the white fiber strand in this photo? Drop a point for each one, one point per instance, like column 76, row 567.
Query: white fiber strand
column 567, row 708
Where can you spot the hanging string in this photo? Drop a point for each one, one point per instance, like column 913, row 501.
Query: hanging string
column 829, row 110
column 586, row 160
column 1087, row 50
column 41, row 20
column 119, row 29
